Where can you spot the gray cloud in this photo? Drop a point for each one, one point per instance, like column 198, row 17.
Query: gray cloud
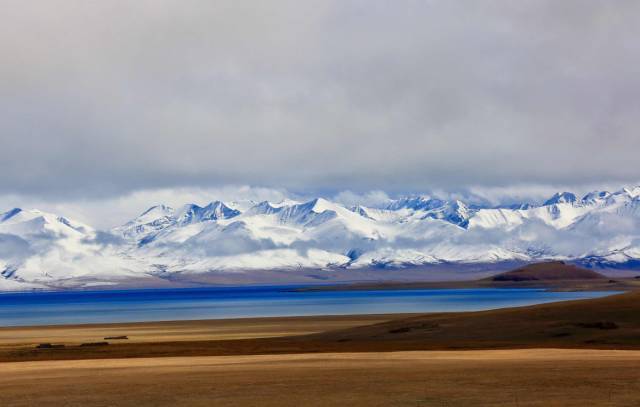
column 103, row 98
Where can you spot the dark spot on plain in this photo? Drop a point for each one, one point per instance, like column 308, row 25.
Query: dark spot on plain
column 402, row 330
column 598, row 325
column 49, row 346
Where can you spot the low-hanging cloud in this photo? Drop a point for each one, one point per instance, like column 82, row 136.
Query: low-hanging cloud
column 99, row 99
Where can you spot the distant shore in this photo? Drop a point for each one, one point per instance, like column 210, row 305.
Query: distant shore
column 612, row 284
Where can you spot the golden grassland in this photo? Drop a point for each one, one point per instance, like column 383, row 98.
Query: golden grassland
column 533, row 377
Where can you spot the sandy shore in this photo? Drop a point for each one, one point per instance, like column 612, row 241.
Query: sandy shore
column 534, row 377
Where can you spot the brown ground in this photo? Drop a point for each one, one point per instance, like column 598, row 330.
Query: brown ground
column 605, row 323
column 176, row 331
column 452, row 378
column 548, row 271
column 540, row 275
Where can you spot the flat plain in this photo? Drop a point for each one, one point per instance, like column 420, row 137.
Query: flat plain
column 532, row 377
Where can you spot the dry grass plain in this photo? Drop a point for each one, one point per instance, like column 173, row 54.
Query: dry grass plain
column 533, row 377
column 176, row 331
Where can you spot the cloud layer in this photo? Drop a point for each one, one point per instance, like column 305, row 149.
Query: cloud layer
column 98, row 99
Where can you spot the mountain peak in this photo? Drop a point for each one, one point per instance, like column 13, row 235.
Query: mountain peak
column 187, row 213
column 10, row 214
column 362, row 211
column 192, row 213
column 561, row 197
column 596, row 196
column 633, row 192
column 320, row 205
column 34, row 221
column 415, row 202
column 158, row 209
column 263, row 208
column 218, row 210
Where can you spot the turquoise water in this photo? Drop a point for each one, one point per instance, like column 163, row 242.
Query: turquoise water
column 73, row 307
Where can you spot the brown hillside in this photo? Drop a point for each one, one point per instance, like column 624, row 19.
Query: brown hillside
column 553, row 270
column 610, row 322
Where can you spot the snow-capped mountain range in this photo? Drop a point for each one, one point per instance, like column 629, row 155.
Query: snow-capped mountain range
column 39, row 249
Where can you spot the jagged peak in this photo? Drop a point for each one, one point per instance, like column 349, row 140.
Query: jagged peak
column 219, row 210
column 307, row 213
column 632, row 192
column 10, row 214
column 561, row 197
column 158, row 208
column 20, row 216
column 215, row 210
column 320, row 205
column 460, row 205
column 595, row 196
column 415, row 202
column 187, row 213
column 264, row 208
column 317, row 205
column 362, row 211
column 216, row 204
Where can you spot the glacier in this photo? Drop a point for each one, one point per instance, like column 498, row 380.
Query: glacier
column 40, row 250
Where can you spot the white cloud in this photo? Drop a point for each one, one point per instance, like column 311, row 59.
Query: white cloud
column 371, row 199
column 102, row 98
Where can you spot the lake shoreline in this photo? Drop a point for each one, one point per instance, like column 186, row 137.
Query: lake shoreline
column 565, row 324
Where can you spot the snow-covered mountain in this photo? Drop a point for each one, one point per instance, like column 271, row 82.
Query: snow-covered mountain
column 38, row 249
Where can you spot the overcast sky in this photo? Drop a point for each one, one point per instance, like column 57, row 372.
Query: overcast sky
column 100, row 100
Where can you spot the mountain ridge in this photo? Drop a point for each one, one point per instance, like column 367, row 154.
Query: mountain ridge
column 601, row 229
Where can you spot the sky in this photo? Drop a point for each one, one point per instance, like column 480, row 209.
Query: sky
column 118, row 104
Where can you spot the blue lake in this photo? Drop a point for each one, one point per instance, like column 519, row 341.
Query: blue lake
column 73, row 307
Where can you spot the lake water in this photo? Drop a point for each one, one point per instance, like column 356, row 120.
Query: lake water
column 72, row 307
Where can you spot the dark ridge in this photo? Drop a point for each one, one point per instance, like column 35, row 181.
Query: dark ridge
column 553, row 270
column 95, row 344
column 49, row 346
